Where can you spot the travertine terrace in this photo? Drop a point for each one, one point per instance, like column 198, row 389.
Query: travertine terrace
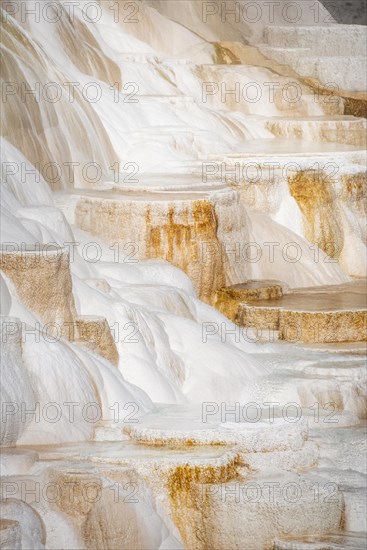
column 183, row 275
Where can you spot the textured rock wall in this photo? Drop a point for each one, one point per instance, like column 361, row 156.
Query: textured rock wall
column 95, row 332
column 192, row 234
column 42, row 279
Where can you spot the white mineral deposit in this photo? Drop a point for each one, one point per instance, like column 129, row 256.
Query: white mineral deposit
column 183, row 275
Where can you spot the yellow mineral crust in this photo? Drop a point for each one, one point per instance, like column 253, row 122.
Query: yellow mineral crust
column 77, row 490
column 312, row 189
column 96, row 334
column 42, row 279
column 188, row 232
column 228, row 299
column 311, row 317
column 354, row 191
column 187, row 498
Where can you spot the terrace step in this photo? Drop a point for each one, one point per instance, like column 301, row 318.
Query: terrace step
column 332, row 314
column 327, row 40
column 253, row 509
column 181, row 226
column 343, row 369
column 228, row 299
column 214, row 425
column 351, row 74
column 287, row 56
column 308, row 104
column 282, row 151
column 345, row 73
column 333, row 55
column 199, row 485
column 338, row 129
